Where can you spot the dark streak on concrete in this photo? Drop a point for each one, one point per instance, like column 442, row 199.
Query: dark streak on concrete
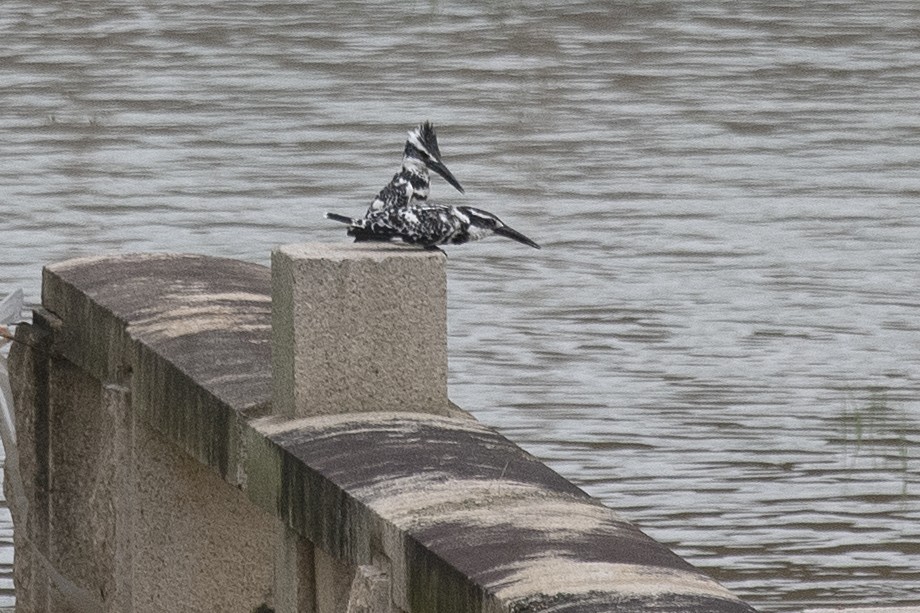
column 316, row 508
column 32, row 351
column 233, row 363
column 487, row 552
column 198, row 367
column 358, row 454
column 201, row 387
column 185, row 412
column 436, row 586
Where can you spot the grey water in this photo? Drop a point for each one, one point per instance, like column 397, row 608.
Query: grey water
column 721, row 335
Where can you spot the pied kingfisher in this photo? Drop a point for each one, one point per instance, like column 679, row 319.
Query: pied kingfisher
column 411, row 183
column 429, row 225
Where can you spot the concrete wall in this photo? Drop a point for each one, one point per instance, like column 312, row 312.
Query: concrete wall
column 164, row 470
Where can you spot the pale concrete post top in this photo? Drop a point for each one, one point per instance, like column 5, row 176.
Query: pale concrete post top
column 358, row 327
column 346, row 251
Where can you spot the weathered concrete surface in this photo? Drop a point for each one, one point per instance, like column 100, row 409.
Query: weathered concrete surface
column 29, row 380
column 845, row 609
column 198, row 544
column 370, row 333
column 121, row 518
column 82, row 457
column 211, row 316
column 462, row 519
column 186, row 306
column 467, row 519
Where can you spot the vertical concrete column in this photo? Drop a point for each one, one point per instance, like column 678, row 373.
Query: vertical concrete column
column 116, row 402
column 358, row 327
column 295, row 583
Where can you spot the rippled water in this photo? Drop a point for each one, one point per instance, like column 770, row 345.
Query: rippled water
column 721, row 336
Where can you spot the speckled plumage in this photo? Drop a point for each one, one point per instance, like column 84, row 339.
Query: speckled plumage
column 429, row 225
column 412, row 183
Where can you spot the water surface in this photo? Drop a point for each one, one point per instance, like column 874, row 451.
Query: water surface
column 720, row 337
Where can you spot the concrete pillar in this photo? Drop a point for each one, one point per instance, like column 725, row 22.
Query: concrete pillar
column 357, row 328
column 116, row 402
column 295, row 574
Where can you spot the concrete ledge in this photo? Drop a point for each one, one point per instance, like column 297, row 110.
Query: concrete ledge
column 186, row 306
column 843, row 609
column 468, row 520
column 210, row 316
column 461, row 518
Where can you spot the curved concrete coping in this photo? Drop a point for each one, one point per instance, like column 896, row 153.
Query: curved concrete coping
column 466, row 520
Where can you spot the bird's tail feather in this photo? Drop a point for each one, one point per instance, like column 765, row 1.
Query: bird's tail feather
column 341, row 218
column 359, row 231
column 366, row 235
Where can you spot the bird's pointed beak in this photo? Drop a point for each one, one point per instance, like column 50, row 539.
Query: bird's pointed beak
column 441, row 169
column 515, row 235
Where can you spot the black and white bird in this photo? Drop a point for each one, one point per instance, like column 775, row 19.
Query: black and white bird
column 429, row 225
column 412, row 183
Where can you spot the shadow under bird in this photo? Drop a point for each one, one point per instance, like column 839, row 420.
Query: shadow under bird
column 429, row 225
column 412, row 182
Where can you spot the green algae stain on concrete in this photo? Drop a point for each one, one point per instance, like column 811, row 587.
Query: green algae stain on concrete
column 185, row 413
column 434, row 586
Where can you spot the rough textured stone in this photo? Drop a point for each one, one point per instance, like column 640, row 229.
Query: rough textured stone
column 211, row 316
column 125, row 519
column 185, row 306
column 82, row 469
column 465, row 520
column 358, row 327
column 29, row 382
column 295, row 573
column 117, row 405
column 369, row 591
column 333, row 580
column 469, row 521
column 198, row 544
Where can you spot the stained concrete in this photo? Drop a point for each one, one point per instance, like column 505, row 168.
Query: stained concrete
column 211, row 316
column 127, row 520
column 188, row 307
column 82, row 458
column 480, row 519
column 463, row 519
